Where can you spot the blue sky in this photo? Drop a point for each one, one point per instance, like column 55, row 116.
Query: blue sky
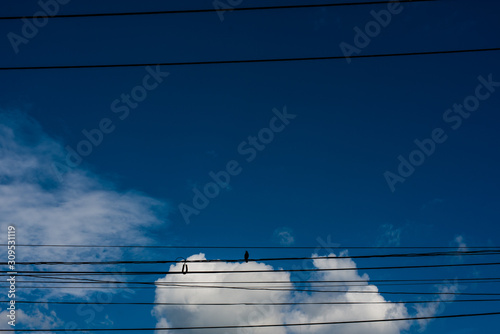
column 322, row 176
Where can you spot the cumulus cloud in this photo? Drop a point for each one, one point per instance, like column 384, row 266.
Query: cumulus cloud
column 189, row 315
column 330, row 313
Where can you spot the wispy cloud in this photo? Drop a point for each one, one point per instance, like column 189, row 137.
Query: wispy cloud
column 37, row 317
column 284, row 236
column 433, row 202
column 432, row 309
column 389, row 235
column 84, row 209
column 460, row 242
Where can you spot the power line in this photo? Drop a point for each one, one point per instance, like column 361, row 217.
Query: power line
column 366, row 282
column 253, row 303
column 411, row 255
column 208, row 10
column 340, row 283
column 260, row 326
column 163, row 285
column 247, row 61
column 379, row 281
column 289, row 284
column 252, row 247
column 179, row 286
column 6, row 273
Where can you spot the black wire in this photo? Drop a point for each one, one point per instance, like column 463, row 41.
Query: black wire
column 253, row 303
column 289, row 284
column 160, row 287
column 411, row 255
column 6, row 273
column 163, row 285
column 379, row 281
column 252, row 247
column 188, row 11
column 70, row 280
column 240, row 61
column 260, row 326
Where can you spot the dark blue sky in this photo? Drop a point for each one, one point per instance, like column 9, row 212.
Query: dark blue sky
column 323, row 175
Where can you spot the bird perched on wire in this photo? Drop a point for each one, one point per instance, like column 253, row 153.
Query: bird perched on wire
column 246, row 256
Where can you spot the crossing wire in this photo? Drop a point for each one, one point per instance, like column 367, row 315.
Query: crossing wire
column 290, row 284
column 410, row 255
column 86, row 302
column 179, row 286
column 345, row 322
column 378, row 281
column 6, row 273
column 163, row 285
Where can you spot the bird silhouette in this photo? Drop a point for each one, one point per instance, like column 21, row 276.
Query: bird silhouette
column 246, row 256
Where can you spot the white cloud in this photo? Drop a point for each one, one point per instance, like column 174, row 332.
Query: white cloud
column 331, row 313
column 446, row 293
column 432, row 309
column 32, row 319
column 190, row 315
column 84, row 209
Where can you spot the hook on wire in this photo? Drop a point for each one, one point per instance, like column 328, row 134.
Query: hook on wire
column 184, row 269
